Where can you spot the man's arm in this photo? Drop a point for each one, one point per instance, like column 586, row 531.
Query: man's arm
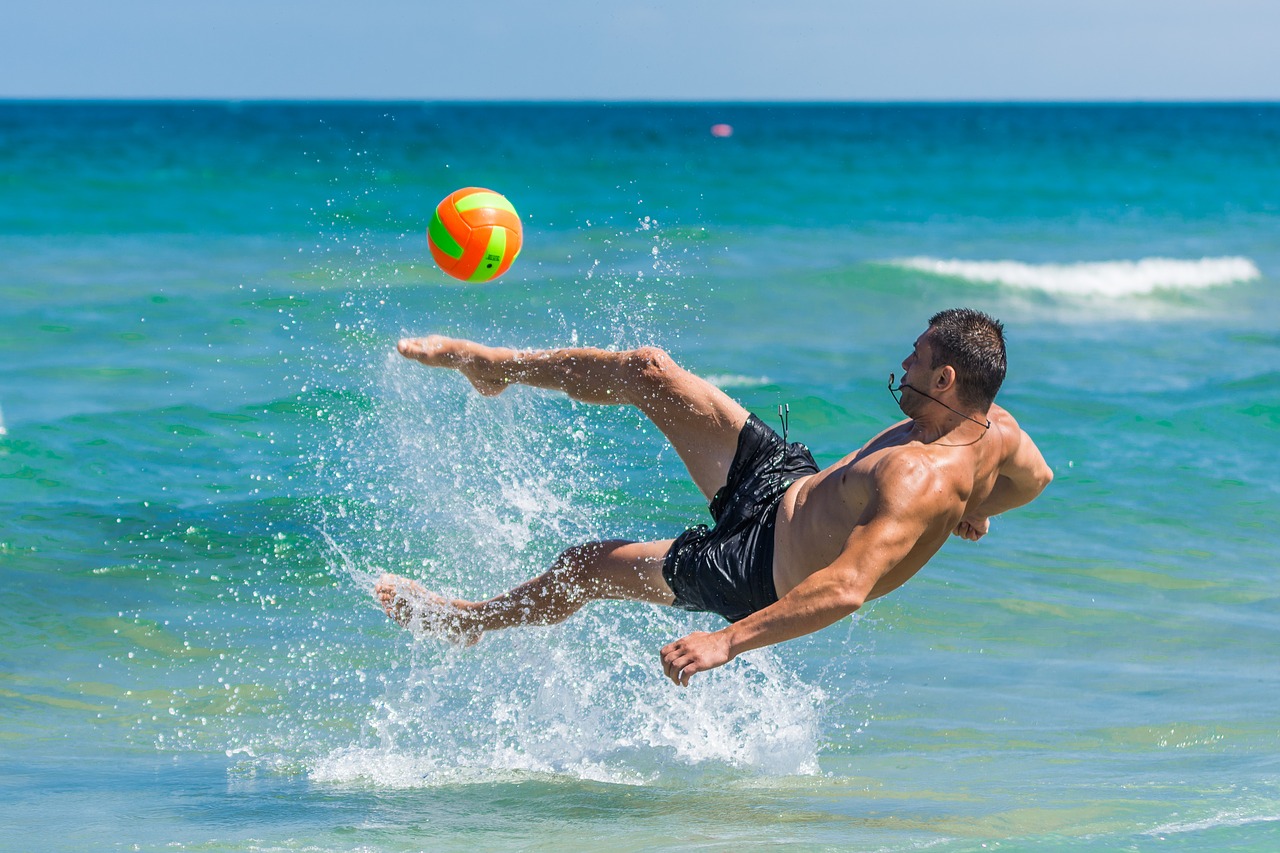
column 1022, row 478
column 908, row 507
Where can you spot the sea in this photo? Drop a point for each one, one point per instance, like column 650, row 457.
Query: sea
column 209, row 451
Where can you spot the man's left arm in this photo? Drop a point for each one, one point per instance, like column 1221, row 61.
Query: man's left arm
column 908, row 508
column 1022, row 478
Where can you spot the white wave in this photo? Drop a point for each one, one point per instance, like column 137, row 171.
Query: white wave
column 1224, row 819
column 737, row 380
column 1104, row 278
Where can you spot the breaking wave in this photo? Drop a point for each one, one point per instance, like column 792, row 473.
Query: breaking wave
column 1104, row 278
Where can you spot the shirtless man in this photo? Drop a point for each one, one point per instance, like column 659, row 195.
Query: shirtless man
column 794, row 549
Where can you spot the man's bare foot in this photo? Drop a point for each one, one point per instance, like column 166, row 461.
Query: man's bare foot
column 413, row 606
column 466, row 357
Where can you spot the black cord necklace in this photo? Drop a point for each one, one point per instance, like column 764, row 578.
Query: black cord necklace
column 898, row 399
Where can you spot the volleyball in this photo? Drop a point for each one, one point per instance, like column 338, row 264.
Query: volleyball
column 475, row 234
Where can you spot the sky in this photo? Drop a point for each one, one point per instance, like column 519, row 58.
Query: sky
column 664, row 50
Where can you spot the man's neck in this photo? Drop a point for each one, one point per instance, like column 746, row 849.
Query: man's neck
column 949, row 428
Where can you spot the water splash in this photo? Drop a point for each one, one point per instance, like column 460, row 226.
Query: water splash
column 502, row 485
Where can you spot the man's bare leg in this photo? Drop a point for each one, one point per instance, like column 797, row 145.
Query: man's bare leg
column 700, row 420
column 598, row 570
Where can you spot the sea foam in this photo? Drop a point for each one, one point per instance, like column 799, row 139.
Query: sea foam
column 1101, row 278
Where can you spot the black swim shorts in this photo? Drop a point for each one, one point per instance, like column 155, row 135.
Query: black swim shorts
column 728, row 568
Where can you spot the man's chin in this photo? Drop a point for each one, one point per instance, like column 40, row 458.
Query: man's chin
column 909, row 403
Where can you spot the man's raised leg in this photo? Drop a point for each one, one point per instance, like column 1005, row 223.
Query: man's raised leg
column 700, row 420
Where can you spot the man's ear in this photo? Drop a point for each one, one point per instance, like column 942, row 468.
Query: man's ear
column 946, row 378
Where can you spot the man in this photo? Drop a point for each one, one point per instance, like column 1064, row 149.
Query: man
column 793, row 549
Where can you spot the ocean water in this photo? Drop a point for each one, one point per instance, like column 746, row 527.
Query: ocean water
column 208, row 451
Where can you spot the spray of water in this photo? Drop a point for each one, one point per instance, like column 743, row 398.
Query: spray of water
column 484, row 493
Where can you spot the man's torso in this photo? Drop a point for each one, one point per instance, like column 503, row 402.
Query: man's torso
column 819, row 512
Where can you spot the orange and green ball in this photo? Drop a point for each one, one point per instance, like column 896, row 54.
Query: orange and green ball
column 475, row 234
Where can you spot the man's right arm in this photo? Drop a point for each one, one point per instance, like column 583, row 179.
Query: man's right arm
column 909, row 506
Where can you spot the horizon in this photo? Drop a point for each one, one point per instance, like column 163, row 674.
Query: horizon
column 1030, row 102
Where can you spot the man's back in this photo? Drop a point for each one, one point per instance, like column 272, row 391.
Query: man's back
column 820, row 512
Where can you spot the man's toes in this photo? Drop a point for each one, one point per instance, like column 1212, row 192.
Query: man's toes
column 417, row 347
column 411, row 348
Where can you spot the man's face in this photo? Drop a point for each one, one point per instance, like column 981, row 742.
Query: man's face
column 917, row 373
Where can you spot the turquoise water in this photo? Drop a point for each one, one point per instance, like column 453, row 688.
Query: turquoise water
column 209, row 451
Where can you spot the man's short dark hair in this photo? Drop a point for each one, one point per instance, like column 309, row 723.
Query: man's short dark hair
column 973, row 343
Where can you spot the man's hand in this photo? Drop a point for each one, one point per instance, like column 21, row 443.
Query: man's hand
column 695, row 653
column 972, row 527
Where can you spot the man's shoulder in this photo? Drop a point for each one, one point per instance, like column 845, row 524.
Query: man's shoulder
column 896, row 468
column 901, row 482
column 920, row 479
column 1009, row 432
column 1001, row 417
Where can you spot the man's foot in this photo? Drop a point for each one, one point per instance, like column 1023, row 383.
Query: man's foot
column 413, row 606
column 466, row 357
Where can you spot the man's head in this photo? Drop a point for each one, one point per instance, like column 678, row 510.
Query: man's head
column 972, row 343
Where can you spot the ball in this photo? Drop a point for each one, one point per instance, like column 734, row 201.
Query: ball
column 475, row 234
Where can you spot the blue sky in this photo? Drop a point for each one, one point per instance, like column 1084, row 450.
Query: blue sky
column 660, row 50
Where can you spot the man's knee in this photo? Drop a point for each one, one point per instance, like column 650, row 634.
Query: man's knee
column 651, row 368
column 575, row 568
